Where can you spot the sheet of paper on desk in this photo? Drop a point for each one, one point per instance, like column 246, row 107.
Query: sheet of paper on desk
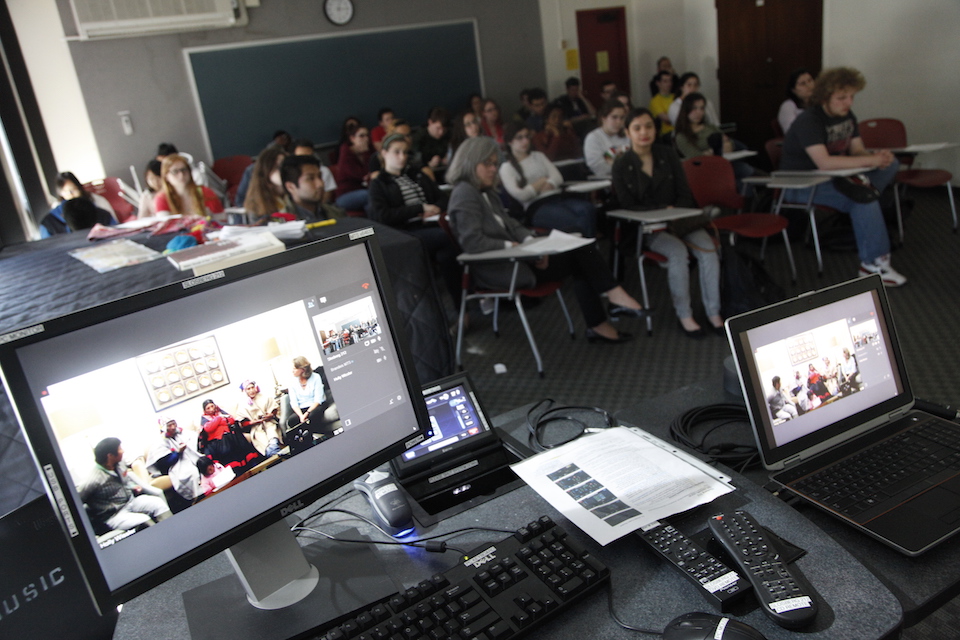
column 616, row 481
column 114, row 255
column 556, row 242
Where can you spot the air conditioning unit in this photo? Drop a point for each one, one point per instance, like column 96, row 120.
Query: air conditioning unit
column 124, row 18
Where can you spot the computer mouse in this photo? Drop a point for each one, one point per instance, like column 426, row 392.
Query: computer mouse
column 391, row 509
column 709, row 626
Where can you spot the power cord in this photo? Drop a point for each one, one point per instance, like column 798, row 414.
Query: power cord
column 682, row 428
column 433, row 543
column 616, row 618
column 552, row 415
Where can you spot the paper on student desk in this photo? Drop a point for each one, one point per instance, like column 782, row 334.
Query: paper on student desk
column 922, row 148
column 619, row 480
column 282, row 230
column 556, row 242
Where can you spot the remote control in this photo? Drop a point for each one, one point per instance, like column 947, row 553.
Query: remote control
column 782, row 591
column 719, row 584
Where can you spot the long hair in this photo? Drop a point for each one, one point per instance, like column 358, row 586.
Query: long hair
column 513, row 128
column 683, row 125
column 177, row 206
column 261, row 199
column 458, row 132
column 67, row 176
column 792, row 82
column 473, row 151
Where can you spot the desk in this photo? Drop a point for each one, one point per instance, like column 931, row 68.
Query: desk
column 920, row 584
column 650, row 221
column 795, row 181
column 646, row 591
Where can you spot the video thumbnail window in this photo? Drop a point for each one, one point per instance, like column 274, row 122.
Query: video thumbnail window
column 807, row 371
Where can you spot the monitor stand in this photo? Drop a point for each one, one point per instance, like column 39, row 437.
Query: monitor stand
column 350, row 576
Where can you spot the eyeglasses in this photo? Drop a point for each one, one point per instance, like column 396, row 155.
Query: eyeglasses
column 490, row 162
column 181, row 170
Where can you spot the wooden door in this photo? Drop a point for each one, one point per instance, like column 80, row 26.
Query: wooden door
column 761, row 43
column 604, row 55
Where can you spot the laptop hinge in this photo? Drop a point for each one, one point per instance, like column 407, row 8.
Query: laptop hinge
column 791, row 460
column 899, row 413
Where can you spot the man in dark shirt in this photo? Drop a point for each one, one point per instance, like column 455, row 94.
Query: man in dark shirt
column 302, row 179
column 826, row 137
column 576, row 108
column 432, row 141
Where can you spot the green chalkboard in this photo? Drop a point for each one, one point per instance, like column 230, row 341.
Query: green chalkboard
column 308, row 86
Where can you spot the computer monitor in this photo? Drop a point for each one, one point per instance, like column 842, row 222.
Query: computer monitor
column 128, row 369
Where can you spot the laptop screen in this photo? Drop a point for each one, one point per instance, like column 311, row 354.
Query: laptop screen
column 818, row 367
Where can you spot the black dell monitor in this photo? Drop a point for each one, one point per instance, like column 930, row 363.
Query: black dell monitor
column 105, row 395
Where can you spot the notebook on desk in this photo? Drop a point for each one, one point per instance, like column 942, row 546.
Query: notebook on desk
column 832, row 411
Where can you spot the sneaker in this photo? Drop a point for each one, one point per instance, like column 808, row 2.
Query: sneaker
column 891, row 278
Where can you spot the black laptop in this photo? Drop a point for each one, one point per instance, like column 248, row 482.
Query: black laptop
column 832, row 411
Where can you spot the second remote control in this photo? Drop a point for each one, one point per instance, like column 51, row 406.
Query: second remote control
column 719, row 584
column 783, row 592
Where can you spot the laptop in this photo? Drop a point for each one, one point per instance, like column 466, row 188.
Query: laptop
column 832, row 412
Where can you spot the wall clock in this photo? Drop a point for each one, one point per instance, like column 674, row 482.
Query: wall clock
column 338, row 12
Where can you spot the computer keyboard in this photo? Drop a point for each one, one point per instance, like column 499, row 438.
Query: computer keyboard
column 888, row 470
column 500, row 590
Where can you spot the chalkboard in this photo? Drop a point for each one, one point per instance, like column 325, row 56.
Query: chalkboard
column 308, row 86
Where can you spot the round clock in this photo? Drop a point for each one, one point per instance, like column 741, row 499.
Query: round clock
column 339, row 12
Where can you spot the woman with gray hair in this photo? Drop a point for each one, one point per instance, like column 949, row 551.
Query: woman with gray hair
column 480, row 223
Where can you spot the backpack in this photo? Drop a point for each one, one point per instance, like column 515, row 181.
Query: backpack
column 745, row 284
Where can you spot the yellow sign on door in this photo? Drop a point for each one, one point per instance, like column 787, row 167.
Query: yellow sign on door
column 603, row 62
column 573, row 59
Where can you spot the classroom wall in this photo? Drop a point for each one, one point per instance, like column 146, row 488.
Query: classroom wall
column 905, row 49
column 147, row 75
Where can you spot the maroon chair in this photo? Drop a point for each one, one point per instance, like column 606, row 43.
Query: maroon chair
column 889, row 133
column 713, row 183
column 230, row 169
column 109, row 188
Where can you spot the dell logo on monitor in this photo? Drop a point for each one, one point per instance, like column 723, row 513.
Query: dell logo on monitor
column 290, row 508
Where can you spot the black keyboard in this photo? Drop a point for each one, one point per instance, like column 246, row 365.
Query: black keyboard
column 500, row 591
column 889, row 471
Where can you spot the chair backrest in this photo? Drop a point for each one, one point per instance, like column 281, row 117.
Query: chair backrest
column 883, row 133
column 712, row 182
column 231, row 168
column 109, row 188
column 774, row 149
column 777, row 129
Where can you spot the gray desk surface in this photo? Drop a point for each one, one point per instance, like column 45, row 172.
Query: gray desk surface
column 920, row 584
column 645, row 591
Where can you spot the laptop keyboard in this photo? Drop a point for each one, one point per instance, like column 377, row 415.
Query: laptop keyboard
column 929, row 450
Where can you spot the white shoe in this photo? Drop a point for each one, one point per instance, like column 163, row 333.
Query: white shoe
column 889, row 275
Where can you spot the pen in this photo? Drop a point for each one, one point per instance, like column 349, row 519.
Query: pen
column 322, row 223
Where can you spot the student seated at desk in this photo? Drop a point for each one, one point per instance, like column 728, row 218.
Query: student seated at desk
column 302, row 180
column 180, row 194
column 602, row 145
column 353, row 171
column 690, row 83
column 266, row 195
column 403, row 197
column 466, row 124
column 154, row 183
column 799, row 89
column 491, row 123
column 826, row 136
column 69, row 188
column 557, row 141
column 305, row 147
column 534, row 182
column 481, row 224
column 433, row 140
column 696, row 137
column 649, row 176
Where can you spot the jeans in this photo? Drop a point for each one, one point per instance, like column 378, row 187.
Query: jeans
column 869, row 227
column 566, row 214
column 678, row 271
column 354, row 200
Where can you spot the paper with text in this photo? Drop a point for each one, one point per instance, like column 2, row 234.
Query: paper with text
column 615, row 481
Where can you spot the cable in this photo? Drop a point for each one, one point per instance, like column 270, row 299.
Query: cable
column 554, row 414
column 616, row 618
column 739, row 456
